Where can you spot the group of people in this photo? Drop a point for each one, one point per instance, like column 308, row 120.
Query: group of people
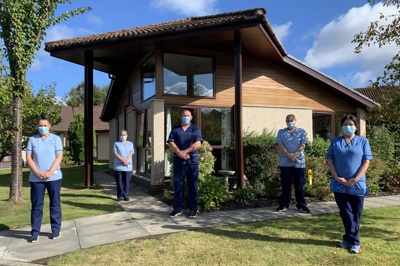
column 348, row 159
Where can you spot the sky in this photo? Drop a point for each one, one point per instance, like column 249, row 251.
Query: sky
column 316, row 32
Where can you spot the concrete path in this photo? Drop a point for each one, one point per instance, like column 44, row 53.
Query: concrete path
column 144, row 216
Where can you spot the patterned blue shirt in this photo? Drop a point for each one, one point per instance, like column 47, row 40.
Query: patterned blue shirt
column 123, row 150
column 291, row 141
column 43, row 154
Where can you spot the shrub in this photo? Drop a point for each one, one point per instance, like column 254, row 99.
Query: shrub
column 377, row 168
column 391, row 180
column 317, row 148
column 243, row 195
column 212, row 191
column 260, row 156
column 321, row 178
column 382, row 142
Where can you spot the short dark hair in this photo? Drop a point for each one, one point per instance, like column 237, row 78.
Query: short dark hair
column 351, row 117
column 43, row 117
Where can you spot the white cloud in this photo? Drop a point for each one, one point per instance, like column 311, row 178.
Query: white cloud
column 95, row 20
column 187, row 8
column 283, row 30
column 332, row 46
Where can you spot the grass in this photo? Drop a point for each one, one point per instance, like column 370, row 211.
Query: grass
column 76, row 200
column 300, row 241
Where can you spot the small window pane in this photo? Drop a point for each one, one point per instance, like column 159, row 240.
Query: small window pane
column 149, row 79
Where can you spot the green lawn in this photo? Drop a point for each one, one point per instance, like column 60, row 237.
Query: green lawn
column 298, row 241
column 76, row 200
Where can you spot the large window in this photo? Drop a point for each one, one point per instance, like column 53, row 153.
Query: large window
column 322, row 125
column 188, row 75
column 144, row 144
column 148, row 79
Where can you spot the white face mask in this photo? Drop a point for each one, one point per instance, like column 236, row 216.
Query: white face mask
column 122, row 138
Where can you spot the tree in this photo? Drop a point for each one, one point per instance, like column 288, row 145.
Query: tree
column 23, row 25
column 383, row 32
column 75, row 139
column 34, row 105
column 76, row 96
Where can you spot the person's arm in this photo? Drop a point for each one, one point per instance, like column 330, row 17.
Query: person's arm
column 173, row 147
column 32, row 166
column 54, row 166
column 361, row 171
column 334, row 174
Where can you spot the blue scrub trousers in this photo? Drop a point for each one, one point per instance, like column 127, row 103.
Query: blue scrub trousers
column 37, row 200
column 350, row 208
column 191, row 171
column 287, row 175
column 123, row 180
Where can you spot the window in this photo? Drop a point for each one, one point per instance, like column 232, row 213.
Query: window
column 144, row 144
column 188, row 75
column 149, row 79
column 216, row 124
column 322, row 125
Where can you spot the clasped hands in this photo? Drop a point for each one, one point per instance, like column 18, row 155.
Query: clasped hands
column 346, row 182
column 124, row 162
column 293, row 156
column 184, row 155
column 44, row 175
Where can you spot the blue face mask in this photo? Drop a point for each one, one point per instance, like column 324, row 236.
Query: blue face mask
column 43, row 130
column 290, row 124
column 348, row 130
column 186, row 120
column 123, row 138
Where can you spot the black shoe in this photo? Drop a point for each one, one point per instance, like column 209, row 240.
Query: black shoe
column 304, row 209
column 175, row 213
column 281, row 209
column 192, row 214
column 119, row 199
column 126, row 199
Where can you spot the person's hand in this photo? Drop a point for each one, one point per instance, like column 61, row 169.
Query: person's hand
column 184, row 155
column 341, row 180
column 350, row 182
column 46, row 175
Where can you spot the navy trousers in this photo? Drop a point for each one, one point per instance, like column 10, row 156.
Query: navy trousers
column 287, row 175
column 123, row 180
column 191, row 171
column 37, row 200
column 350, row 208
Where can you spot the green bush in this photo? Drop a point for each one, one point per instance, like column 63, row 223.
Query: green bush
column 320, row 178
column 243, row 195
column 260, row 156
column 317, row 148
column 212, row 191
column 391, row 179
column 382, row 142
column 377, row 168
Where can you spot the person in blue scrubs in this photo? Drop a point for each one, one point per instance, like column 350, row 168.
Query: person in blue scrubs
column 291, row 142
column 44, row 154
column 348, row 160
column 184, row 140
column 123, row 152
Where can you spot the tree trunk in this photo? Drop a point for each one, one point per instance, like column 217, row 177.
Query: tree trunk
column 16, row 151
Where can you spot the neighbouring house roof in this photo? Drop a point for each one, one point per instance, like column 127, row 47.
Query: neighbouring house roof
column 379, row 95
column 67, row 114
column 117, row 52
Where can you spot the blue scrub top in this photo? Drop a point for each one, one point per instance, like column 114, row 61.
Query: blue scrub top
column 123, row 150
column 43, row 154
column 291, row 141
column 184, row 139
column 348, row 158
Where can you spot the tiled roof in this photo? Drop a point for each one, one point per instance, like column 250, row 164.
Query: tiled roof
column 175, row 26
column 379, row 95
column 67, row 114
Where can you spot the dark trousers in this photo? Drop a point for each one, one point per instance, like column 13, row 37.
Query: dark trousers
column 123, row 180
column 350, row 208
column 287, row 175
column 37, row 200
column 191, row 171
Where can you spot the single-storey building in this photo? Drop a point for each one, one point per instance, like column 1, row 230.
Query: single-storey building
column 100, row 151
column 229, row 69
